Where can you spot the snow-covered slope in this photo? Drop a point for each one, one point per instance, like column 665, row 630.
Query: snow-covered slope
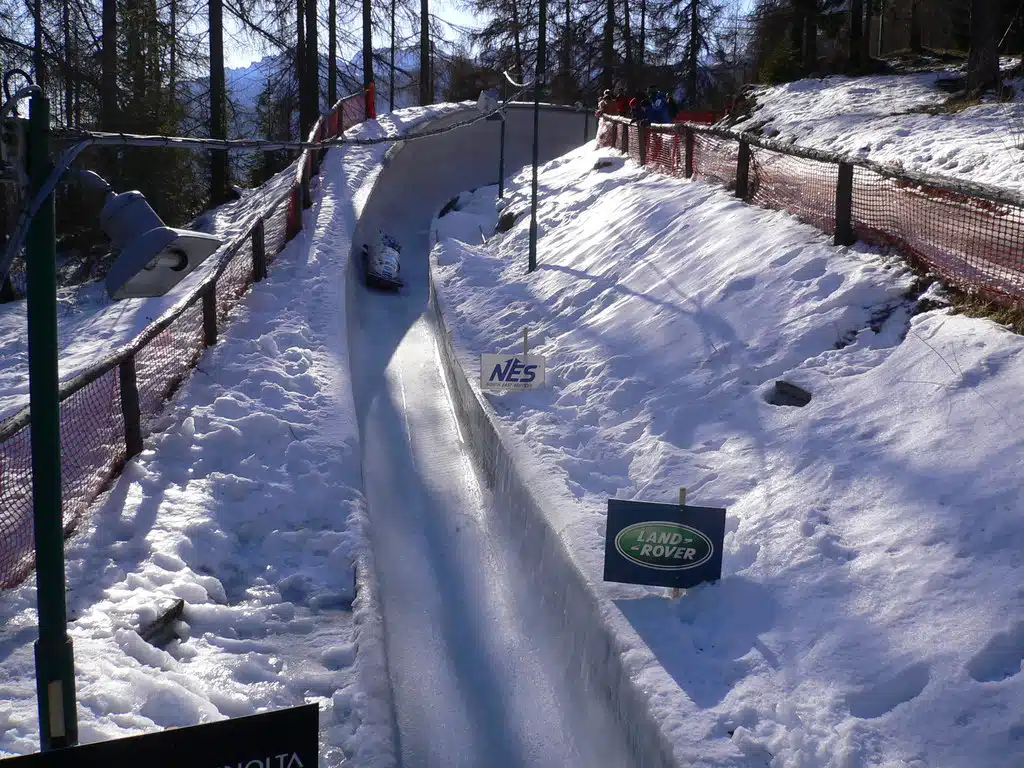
column 870, row 611
column 881, row 118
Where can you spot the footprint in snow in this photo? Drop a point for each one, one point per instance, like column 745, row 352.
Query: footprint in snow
column 1000, row 658
column 880, row 698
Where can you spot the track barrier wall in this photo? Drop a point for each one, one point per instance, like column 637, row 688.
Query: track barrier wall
column 106, row 411
column 970, row 235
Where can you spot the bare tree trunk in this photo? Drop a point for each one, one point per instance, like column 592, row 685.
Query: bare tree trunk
column 869, row 16
column 332, row 52
column 627, row 43
column 915, row 26
column 517, row 40
column 173, row 64
column 367, row 46
column 608, row 52
column 69, row 71
column 567, row 85
column 796, row 31
column 983, row 60
column 218, row 125
column 300, row 69
column 391, row 95
column 642, row 51
column 694, row 55
column 811, row 38
column 38, row 63
column 425, row 95
column 312, row 65
column 856, row 33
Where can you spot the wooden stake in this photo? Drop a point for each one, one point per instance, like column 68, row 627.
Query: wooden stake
column 676, row 591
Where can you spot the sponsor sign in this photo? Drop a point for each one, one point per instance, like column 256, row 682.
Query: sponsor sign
column 664, row 545
column 287, row 738
column 501, row 373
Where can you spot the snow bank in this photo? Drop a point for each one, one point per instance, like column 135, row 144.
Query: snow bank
column 247, row 504
column 868, row 609
column 880, row 118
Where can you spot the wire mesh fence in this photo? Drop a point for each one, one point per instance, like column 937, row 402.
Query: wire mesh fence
column 805, row 188
column 970, row 235
column 103, row 414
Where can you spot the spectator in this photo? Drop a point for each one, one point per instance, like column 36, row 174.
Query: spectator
column 658, row 110
column 607, row 105
column 621, row 102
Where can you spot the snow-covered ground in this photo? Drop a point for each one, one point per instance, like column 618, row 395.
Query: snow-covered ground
column 247, row 504
column 880, row 118
column 870, row 611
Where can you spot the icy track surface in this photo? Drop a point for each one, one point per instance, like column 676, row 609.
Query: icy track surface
column 479, row 678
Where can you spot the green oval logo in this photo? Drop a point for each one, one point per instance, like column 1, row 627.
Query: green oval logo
column 664, row 545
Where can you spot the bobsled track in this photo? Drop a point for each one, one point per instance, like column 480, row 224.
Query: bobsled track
column 486, row 662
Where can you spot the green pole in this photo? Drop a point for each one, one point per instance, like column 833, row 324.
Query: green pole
column 55, row 666
column 537, row 87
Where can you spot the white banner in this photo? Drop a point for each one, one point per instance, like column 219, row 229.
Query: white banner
column 502, row 373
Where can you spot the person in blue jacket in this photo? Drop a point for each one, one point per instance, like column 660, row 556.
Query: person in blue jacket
column 657, row 113
column 658, row 110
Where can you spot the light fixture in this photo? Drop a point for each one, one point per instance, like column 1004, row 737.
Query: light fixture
column 153, row 257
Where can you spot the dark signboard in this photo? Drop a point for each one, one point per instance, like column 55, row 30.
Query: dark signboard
column 288, row 738
column 663, row 545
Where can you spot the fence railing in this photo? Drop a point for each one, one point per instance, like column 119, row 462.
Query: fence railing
column 971, row 235
column 106, row 411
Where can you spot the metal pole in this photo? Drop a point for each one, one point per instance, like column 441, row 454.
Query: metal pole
column 392, row 88
column 501, row 154
column 538, row 86
column 55, row 666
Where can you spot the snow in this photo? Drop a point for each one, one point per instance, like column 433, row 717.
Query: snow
column 881, row 118
column 869, row 608
column 246, row 502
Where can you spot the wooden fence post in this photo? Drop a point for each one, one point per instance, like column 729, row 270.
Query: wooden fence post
column 307, row 200
column 688, row 160
column 210, row 315
column 743, row 171
column 293, row 217
column 641, row 134
column 844, row 206
column 625, row 139
column 130, row 408
column 259, row 252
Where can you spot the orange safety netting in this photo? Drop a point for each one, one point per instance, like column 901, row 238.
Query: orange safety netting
column 972, row 242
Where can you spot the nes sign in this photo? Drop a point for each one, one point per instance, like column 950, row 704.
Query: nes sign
column 287, row 738
column 501, row 373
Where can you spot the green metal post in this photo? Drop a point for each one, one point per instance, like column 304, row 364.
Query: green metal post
column 55, row 666
column 538, row 86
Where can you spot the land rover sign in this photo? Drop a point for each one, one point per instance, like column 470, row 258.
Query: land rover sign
column 663, row 544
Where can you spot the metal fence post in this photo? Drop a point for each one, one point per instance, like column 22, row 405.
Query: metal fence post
column 54, row 655
column 844, row 206
column 743, row 171
column 688, row 141
column 259, row 251
column 210, row 315
column 130, row 407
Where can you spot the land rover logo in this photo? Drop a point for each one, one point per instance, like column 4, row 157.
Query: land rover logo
column 663, row 545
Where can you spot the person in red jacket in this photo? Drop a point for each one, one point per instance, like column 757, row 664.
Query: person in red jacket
column 622, row 102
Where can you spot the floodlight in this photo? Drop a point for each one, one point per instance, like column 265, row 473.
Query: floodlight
column 153, row 257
